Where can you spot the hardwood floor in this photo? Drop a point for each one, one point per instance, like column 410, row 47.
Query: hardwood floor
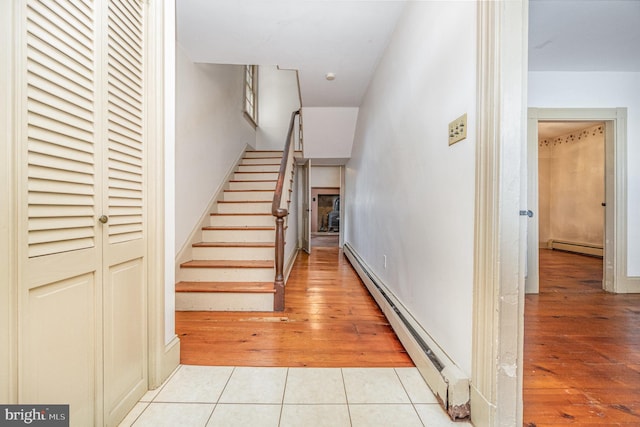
column 325, row 240
column 582, row 348
column 330, row 320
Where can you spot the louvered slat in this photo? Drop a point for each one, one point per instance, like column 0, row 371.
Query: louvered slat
column 60, row 127
column 125, row 120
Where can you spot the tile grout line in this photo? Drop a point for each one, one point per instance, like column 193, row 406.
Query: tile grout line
column 147, row 404
column 404, row 387
column 284, row 390
column 346, row 396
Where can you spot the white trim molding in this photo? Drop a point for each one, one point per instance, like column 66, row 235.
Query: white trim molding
column 8, row 238
column 163, row 358
column 447, row 381
column 500, row 233
column 616, row 278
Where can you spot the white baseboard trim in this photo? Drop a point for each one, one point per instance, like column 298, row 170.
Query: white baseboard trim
column 444, row 377
column 170, row 359
column 576, row 247
column 184, row 254
column 630, row 285
column 483, row 413
column 288, row 266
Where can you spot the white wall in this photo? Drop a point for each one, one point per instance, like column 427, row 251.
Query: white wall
column 409, row 195
column 277, row 99
column 329, row 131
column 601, row 90
column 571, row 187
column 211, row 132
column 325, row 176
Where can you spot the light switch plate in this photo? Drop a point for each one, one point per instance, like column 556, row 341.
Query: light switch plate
column 458, row 129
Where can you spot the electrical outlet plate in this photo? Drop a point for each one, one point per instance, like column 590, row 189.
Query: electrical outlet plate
column 458, row 129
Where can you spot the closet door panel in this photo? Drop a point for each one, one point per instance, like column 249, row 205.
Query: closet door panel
column 125, row 241
column 60, row 242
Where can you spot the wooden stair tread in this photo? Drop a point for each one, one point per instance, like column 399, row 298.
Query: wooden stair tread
column 245, row 201
column 248, row 191
column 238, row 227
column 254, row 180
column 244, row 287
column 234, row 245
column 241, row 213
column 207, row 263
column 256, row 171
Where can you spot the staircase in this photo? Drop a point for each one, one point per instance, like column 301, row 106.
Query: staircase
column 233, row 266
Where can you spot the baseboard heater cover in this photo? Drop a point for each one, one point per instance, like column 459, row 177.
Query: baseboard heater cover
column 580, row 248
column 450, row 385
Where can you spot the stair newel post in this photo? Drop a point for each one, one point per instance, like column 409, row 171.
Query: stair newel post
column 278, row 304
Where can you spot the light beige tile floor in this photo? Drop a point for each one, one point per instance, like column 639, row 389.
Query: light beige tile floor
column 211, row 396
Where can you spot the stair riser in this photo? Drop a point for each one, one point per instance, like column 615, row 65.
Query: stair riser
column 240, row 220
column 234, row 253
column 261, row 160
column 223, row 301
column 258, row 168
column 263, row 196
column 255, row 176
column 244, row 207
column 259, row 154
column 249, row 185
column 227, row 274
column 239, row 236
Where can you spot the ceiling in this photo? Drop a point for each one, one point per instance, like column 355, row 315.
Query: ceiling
column 594, row 35
column 315, row 37
column 348, row 37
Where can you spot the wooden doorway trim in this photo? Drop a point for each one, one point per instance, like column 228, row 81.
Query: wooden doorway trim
column 498, row 288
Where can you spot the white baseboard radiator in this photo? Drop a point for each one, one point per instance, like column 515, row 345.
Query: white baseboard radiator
column 446, row 380
column 579, row 248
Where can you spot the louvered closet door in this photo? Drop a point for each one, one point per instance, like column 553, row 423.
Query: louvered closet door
column 60, row 258
column 82, row 293
column 125, row 301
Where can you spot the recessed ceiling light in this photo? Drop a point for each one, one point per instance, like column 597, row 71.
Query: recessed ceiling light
column 330, row 76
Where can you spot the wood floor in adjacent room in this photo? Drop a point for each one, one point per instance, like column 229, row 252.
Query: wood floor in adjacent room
column 330, row 320
column 582, row 348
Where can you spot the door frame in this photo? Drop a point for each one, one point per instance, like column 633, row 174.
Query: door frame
column 8, row 220
column 615, row 247
column 499, row 232
column 163, row 343
column 305, row 206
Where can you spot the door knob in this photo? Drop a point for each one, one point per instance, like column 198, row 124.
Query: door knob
column 103, row 219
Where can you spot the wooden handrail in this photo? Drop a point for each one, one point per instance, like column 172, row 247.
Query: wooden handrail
column 280, row 213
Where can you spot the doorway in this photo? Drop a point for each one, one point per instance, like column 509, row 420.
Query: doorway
column 571, row 188
column 614, row 247
column 325, row 217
